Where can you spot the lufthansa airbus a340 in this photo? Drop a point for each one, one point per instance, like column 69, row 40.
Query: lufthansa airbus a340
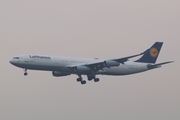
column 63, row 66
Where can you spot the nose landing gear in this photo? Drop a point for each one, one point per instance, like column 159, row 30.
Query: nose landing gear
column 25, row 72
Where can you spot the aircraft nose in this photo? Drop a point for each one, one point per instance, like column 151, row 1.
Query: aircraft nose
column 11, row 61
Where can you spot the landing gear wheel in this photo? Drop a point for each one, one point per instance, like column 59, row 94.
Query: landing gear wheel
column 83, row 82
column 79, row 79
column 96, row 80
column 89, row 78
column 25, row 74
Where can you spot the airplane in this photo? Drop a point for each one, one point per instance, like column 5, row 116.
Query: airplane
column 64, row 66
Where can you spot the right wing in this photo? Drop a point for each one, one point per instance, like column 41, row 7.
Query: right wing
column 100, row 64
column 124, row 59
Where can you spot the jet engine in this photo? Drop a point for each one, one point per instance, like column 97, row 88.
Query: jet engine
column 82, row 69
column 58, row 74
column 111, row 63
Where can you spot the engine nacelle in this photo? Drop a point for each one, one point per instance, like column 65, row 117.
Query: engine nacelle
column 83, row 69
column 58, row 74
column 111, row 63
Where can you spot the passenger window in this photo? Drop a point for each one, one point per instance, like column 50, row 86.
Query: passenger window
column 16, row 58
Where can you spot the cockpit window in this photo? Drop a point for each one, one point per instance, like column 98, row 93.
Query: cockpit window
column 16, row 58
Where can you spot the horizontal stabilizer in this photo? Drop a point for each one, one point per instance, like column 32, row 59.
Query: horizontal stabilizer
column 158, row 65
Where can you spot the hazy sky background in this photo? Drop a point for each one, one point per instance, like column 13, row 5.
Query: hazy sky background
column 83, row 28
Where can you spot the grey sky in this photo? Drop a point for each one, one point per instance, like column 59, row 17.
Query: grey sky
column 96, row 28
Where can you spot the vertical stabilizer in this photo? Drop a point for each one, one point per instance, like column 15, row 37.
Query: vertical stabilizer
column 152, row 54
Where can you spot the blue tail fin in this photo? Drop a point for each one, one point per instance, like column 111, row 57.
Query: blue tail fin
column 151, row 55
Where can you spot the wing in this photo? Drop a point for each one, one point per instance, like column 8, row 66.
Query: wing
column 122, row 60
column 100, row 64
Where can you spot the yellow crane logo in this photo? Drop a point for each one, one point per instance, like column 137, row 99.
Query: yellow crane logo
column 153, row 52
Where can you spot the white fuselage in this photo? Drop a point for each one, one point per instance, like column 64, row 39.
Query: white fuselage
column 61, row 64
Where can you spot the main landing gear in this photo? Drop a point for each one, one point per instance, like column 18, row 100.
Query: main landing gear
column 90, row 77
column 80, row 79
column 25, row 72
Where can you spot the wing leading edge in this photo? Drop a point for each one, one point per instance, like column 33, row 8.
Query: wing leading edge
column 96, row 66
